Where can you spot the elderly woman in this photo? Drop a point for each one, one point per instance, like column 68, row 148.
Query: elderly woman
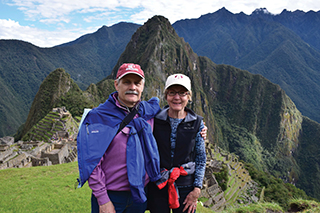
column 182, row 151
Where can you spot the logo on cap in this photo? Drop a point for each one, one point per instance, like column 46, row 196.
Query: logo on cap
column 129, row 69
column 132, row 67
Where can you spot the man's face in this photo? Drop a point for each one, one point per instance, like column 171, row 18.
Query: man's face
column 129, row 89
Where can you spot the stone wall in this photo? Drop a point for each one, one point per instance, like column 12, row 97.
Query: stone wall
column 241, row 189
column 35, row 153
column 7, row 153
column 19, row 161
column 56, row 154
column 40, row 161
column 7, row 140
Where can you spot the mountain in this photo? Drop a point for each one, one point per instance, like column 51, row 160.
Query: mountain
column 246, row 114
column 305, row 25
column 59, row 89
column 24, row 66
column 284, row 48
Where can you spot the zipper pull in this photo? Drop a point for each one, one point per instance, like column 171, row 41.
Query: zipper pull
column 87, row 128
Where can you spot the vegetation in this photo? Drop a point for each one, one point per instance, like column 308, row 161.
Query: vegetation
column 274, row 189
column 52, row 189
column 43, row 189
column 24, row 66
column 274, row 46
column 222, row 177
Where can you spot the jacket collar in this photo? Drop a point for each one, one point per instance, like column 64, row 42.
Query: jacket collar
column 163, row 114
column 115, row 97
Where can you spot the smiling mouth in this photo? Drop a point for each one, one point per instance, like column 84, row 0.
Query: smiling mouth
column 131, row 93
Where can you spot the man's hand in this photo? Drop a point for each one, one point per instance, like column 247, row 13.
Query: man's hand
column 203, row 132
column 191, row 200
column 107, row 208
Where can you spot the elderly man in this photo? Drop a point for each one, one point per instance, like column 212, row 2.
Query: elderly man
column 118, row 155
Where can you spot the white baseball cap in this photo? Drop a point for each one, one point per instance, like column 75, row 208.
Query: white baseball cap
column 178, row 79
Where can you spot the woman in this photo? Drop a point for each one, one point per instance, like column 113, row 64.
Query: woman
column 182, row 151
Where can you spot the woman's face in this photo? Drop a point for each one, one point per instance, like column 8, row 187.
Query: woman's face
column 177, row 97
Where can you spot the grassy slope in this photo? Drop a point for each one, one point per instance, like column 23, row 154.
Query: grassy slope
column 43, row 189
column 46, row 189
column 52, row 189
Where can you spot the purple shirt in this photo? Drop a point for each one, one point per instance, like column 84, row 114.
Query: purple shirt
column 111, row 171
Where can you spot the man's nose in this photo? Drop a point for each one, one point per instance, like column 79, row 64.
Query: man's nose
column 132, row 86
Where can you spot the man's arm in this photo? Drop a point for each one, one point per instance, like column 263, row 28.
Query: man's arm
column 203, row 132
column 97, row 183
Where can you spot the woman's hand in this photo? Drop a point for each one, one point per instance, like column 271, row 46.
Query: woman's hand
column 191, row 200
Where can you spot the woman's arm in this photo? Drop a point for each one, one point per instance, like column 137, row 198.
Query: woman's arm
column 200, row 159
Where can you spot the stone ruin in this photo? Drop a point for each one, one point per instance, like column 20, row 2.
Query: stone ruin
column 244, row 188
column 57, row 125
column 35, row 153
column 58, row 128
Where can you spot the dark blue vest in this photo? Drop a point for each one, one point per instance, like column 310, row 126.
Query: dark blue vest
column 185, row 143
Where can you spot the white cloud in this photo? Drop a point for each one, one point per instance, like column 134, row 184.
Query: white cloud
column 174, row 10
column 43, row 38
column 59, row 9
column 178, row 9
column 69, row 16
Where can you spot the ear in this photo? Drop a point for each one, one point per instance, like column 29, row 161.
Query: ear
column 116, row 83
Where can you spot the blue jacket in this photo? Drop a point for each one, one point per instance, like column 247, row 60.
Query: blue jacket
column 99, row 128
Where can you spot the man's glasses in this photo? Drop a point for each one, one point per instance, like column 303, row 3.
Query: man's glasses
column 181, row 94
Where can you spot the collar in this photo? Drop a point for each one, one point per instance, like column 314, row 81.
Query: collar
column 115, row 97
column 163, row 114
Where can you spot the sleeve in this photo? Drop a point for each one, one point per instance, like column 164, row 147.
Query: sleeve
column 97, row 183
column 200, row 159
column 150, row 153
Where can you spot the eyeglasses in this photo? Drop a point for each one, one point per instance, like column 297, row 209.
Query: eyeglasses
column 181, row 94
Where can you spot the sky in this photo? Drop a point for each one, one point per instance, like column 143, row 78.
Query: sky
column 47, row 23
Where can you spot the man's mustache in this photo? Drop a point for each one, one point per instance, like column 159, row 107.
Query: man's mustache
column 131, row 92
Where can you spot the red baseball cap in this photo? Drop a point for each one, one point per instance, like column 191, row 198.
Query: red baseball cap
column 129, row 69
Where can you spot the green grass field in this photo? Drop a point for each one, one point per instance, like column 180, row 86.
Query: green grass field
column 53, row 189
column 43, row 189
column 46, row 189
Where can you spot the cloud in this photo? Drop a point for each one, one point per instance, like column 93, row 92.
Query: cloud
column 43, row 38
column 69, row 20
column 178, row 9
column 59, row 10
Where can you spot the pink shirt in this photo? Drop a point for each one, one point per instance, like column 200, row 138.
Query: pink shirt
column 111, row 172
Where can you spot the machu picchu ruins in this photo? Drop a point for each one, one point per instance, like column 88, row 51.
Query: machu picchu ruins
column 51, row 141
column 240, row 187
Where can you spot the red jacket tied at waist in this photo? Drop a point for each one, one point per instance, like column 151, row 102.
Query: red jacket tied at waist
column 169, row 177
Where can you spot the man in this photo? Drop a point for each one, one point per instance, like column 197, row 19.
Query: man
column 119, row 164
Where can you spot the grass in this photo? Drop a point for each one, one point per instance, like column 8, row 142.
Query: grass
column 52, row 189
column 46, row 189
column 255, row 208
column 43, row 189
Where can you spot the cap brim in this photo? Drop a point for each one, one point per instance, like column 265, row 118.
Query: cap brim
column 130, row 73
column 175, row 84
